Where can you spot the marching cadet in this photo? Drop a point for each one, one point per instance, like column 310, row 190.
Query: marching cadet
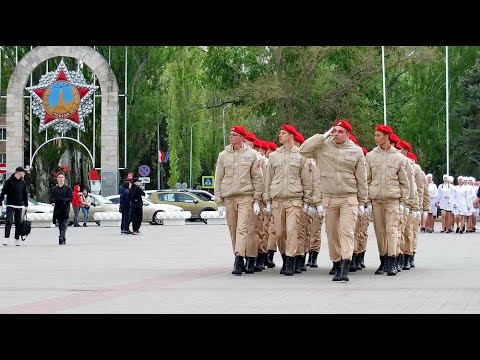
column 420, row 181
column 411, row 209
column 272, row 237
column 388, row 189
column 286, row 192
column 314, row 233
column 238, row 186
column 444, row 195
column 344, row 190
column 361, row 235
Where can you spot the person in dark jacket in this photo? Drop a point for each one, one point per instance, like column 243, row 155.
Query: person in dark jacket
column 60, row 197
column 136, row 204
column 15, row 189
column 125, row 207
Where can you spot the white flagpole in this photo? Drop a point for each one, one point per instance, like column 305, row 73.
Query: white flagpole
column 384, row 90
column 446, row 107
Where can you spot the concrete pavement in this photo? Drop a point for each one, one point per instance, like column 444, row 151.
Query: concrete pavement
column 186, row 269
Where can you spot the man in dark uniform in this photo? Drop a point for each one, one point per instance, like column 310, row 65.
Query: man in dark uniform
column 61, row 197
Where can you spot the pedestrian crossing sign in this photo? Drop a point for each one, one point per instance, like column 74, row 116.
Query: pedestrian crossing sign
column 208, row 182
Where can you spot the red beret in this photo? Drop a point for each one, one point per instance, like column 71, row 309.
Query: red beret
column 412, row 156
column 384, row 129
column 402, row 144
column 299, row 138
column 365, row 151
column 272, row 146
column 250, row 137
column 291, row 129
column 240, row 130
column 264, row 144
column 345, row 124
column 394, row 139
column 353, row 138
column 257, row 143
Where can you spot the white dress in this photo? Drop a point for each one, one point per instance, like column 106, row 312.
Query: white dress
column 444, row 196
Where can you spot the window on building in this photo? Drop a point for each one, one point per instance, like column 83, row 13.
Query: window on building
column 3, row 134
column 3, row 158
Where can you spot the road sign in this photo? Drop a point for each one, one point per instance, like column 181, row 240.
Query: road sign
column 3, row 168
column 144, row 170
column 145, row 180
column 208, row 182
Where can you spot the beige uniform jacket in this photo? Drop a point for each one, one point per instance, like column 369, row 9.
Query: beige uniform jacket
column 426, row 195
column 420, row 183
column 386, row 176
column 342, row 167
column 287, row 176
column 412, row 201
column 238, row 173
column 317, row 189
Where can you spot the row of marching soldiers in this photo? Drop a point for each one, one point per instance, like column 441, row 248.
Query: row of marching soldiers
column 278, row 198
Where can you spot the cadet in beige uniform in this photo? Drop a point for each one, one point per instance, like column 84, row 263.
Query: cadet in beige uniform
column 272, row 237
column 420, row 182
column 315, row 221
column 238, row 182
column 387, row 191
column 344, row 190
column 285, row 193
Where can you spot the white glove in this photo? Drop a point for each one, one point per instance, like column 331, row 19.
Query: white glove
column 369, row 210
column 320, row 211
column 424, row 215
column 406, row 210
column 312, row 211
column 305, row 208
column 256, row 208
column 416, row 215
column 361, row 210
column 221, row 210
column 402, row 209
column 327, row 134
column 268, row 209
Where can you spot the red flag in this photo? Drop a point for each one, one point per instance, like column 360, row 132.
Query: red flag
column 161, row 156
column 93, row 174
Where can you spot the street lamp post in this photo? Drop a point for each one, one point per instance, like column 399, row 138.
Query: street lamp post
column 191, row 146
column 223, row 119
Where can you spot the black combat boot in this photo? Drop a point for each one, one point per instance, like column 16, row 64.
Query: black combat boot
column 391, row 266
column 298, row 264
column 399, row 262
column 309, row 261
column 337, row 268
column 333, row 270
column 362, row 260
column 353, row 267
column 383, row 261
column 258, row 263
column 237, row 266
column 412, row 262
column 357, row 261
column 290, row 266
column 406, row 262
column 250, row 268
column 345, row 268
column 270, row 263
column 284, row 265
column 302, row 263
column 314, row 259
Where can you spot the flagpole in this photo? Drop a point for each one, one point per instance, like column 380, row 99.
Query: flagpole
column 446, row 109
column 158, row 153
column 384, row 90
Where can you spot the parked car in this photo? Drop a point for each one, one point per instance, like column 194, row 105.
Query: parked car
column 187, row 201
column 33, row 207
column 99, row 204
column 202, row 194
column 150, row 209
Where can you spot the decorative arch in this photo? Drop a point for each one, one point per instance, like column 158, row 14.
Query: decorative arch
column 109, row 107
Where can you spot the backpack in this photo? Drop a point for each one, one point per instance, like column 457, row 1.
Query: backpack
column 25, row 228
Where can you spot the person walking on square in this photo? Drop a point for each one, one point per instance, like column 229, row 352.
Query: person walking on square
column 136, row 203
column 76, row 204
column 15, row 189
column 125, row 207
column 86, row 202
column 60, row 197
